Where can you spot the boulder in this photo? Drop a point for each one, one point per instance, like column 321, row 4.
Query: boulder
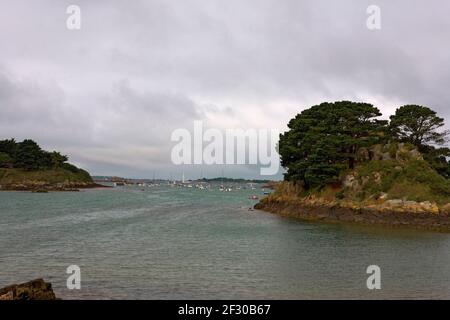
column 378, row 152
column 394, row 203
column 351, row 182
column 395, row 151
column 34, row 290
column 429, row 207
column 445, row 209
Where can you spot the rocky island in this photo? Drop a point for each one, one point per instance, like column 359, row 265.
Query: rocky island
column 344, row 165
column 24, row 166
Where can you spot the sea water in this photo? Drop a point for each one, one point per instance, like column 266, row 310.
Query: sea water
column 185, row 243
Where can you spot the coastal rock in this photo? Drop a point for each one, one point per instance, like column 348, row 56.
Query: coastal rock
column 415, row 154
column 34, row 290
column 379, row 153
column 395, row 151
column 445, row 209
column 411, row 206
column 351, row 182
column 395, row 203
column 397, row 216
column 429, row 207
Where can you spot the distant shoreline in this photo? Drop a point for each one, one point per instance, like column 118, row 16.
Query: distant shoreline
column 52, row 188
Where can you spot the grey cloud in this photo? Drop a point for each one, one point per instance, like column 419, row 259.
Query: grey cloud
column 111, row 93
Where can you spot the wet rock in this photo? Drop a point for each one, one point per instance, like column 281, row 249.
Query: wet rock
column 445, row 209
column 34, row 290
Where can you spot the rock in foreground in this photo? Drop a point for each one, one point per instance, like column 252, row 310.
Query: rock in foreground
column 34, row 290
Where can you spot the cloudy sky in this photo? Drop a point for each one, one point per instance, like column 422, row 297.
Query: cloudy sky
column 110, row 94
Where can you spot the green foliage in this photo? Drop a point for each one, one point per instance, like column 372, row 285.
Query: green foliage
column 437, row 158
column 28, row 155
column 25, row 162
column 421, row 126
column 8, row 146
column 48, row 176
column 5, row 160
column 71, row 168
column 414, row 180
column 340, row 194
column 417, row 125
column 57, row 159
column 323, row 140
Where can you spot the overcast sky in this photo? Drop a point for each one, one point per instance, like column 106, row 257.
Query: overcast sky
column 110, row 94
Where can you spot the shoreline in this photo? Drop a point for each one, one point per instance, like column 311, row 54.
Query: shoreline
column 36, row 289
column 53, row 188
column 361, row 216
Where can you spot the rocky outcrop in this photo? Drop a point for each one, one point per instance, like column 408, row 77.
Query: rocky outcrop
column 56, row 179
column 34, row 290
column 390, row 185
column 390, row 216
column 42, row 187
column 391, row 151
column 409, row 206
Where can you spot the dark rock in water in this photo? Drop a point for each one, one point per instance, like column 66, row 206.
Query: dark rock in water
column 34, row 290
column 40, row 191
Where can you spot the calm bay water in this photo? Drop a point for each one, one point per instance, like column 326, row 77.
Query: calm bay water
column 180, row 243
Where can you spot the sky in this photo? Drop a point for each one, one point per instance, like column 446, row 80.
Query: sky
column 110, row 94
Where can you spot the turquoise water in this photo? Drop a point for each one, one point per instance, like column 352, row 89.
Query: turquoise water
column 180, row 243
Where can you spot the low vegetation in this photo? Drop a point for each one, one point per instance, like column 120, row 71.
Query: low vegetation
column 24, row 165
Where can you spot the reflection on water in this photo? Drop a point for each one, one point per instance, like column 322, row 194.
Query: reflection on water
column 180, row 243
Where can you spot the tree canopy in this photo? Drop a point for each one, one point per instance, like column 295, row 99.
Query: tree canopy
column 323, row 141
column 417, row 125
column 28, row 155
column 422, row 127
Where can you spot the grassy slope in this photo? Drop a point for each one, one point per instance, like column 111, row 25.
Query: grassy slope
column 54, row 176
column 413, row 180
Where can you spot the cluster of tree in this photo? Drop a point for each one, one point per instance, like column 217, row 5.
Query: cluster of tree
column 28, row 155
column 323, row 141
